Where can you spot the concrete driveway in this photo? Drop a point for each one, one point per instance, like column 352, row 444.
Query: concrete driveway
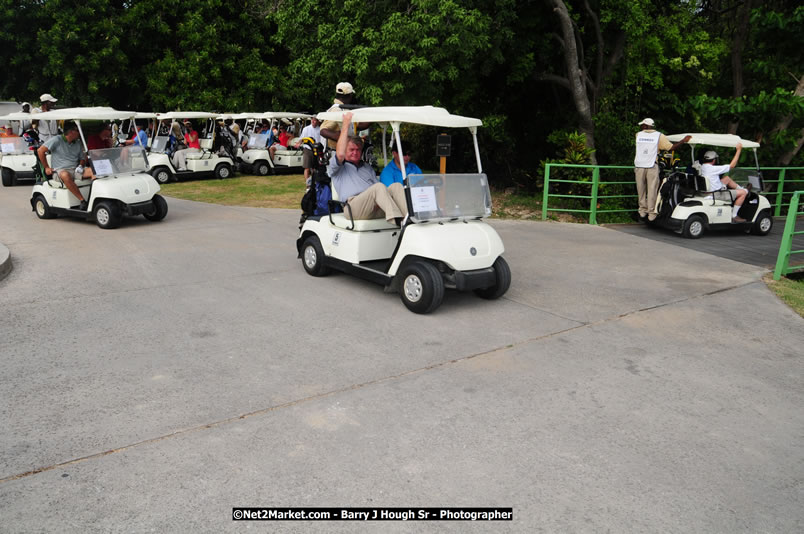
column 155, row 376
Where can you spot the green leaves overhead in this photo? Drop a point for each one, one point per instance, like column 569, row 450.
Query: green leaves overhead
column 500, row 60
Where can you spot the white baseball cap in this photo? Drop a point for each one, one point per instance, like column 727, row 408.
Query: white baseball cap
column 649, row 122
column 47, row 97
column 344, row 88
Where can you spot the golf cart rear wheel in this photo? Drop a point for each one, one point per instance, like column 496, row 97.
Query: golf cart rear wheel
column 693, row 227
column 107, row 215
column 42, row 209
column 313, row 257
column 763, row 224
column 502, row 274
column 159, row 211
column 9, row 178
column 422, row 288
column 262, row 168
column 223, row 171
column 162, row 175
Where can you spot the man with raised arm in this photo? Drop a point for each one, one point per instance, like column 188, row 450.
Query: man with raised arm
column 357, row 185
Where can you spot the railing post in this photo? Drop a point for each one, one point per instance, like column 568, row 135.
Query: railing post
column 779, row 193
column 595, row 184
column 546, row 190
column 783, row 259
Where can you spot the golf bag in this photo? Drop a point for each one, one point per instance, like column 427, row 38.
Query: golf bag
column 224, row 143
column 317, row 200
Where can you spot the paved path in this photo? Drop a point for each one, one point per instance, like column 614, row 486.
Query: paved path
column 735, row 245
column 157, row 375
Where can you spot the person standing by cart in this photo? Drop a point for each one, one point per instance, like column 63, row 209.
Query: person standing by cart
column 47, row 129
column 646, row 169
column 313, row 131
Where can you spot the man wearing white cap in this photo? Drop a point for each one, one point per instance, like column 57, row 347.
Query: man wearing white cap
column 47, row 129
column 330, row 130
column 646, row 170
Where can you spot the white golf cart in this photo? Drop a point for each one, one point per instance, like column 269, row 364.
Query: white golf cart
column 443, row 243
column 685, row 204
column 208, row 161
column 122, row 187
column 257, row 159
column 17, row 157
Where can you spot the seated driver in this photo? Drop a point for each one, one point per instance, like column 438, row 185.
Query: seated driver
column 69, row 160
column 357, row 185
column 716, row 182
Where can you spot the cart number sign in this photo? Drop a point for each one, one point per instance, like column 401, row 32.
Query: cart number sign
column 443, row 145
column 8, row 148
column 103, row 167
column 423, row 199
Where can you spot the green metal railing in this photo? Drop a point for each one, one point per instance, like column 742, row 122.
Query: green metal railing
column 783, row 267
column 594, row 195
column 597, row 185
column 780, row 184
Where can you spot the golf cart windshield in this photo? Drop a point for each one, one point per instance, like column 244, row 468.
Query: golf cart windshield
column 257, row 140
column 449, row 196
column 160, row 144
column 119, row 160
column 13, row 145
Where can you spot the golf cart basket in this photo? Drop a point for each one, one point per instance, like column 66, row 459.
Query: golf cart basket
column 224, row 141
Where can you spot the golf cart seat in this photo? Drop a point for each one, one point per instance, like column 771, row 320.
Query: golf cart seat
column 287, row 151
column 345, row 221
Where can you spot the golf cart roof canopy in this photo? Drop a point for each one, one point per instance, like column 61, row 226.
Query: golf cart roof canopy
column 19, row 116
column 99, row 113
column 427, row 115
column 173, row 115
column 282, row 115
column 725, row 140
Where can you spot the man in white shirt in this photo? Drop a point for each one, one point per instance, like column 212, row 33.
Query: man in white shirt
column 716, row 182
column 646, row 170
column 47, row 129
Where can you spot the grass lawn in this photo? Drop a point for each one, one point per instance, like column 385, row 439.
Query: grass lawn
column 280, row 191
column 286, row 190
column 790, row 290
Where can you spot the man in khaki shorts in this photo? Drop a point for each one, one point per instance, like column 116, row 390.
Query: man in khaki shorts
column 69, row 160
column 646, row 170
column 356, row 183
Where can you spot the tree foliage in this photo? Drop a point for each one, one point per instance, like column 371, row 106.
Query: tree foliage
column 533, row 70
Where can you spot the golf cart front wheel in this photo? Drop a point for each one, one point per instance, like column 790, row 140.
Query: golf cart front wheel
column 763, row 224
column 42, row 209
column 313, row 257
column 9, row 178
column 422, row 288
column 162, row 175
column 262, row 168
column 693, row 227
column 223, row 171
column 502, row 275
column 159, row 211
column 107, row 215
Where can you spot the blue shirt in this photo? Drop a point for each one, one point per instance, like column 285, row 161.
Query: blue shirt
column 393, row 174
column 142, row 139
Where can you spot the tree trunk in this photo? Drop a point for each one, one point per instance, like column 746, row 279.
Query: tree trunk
column 738, row 43
column 575, row 76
